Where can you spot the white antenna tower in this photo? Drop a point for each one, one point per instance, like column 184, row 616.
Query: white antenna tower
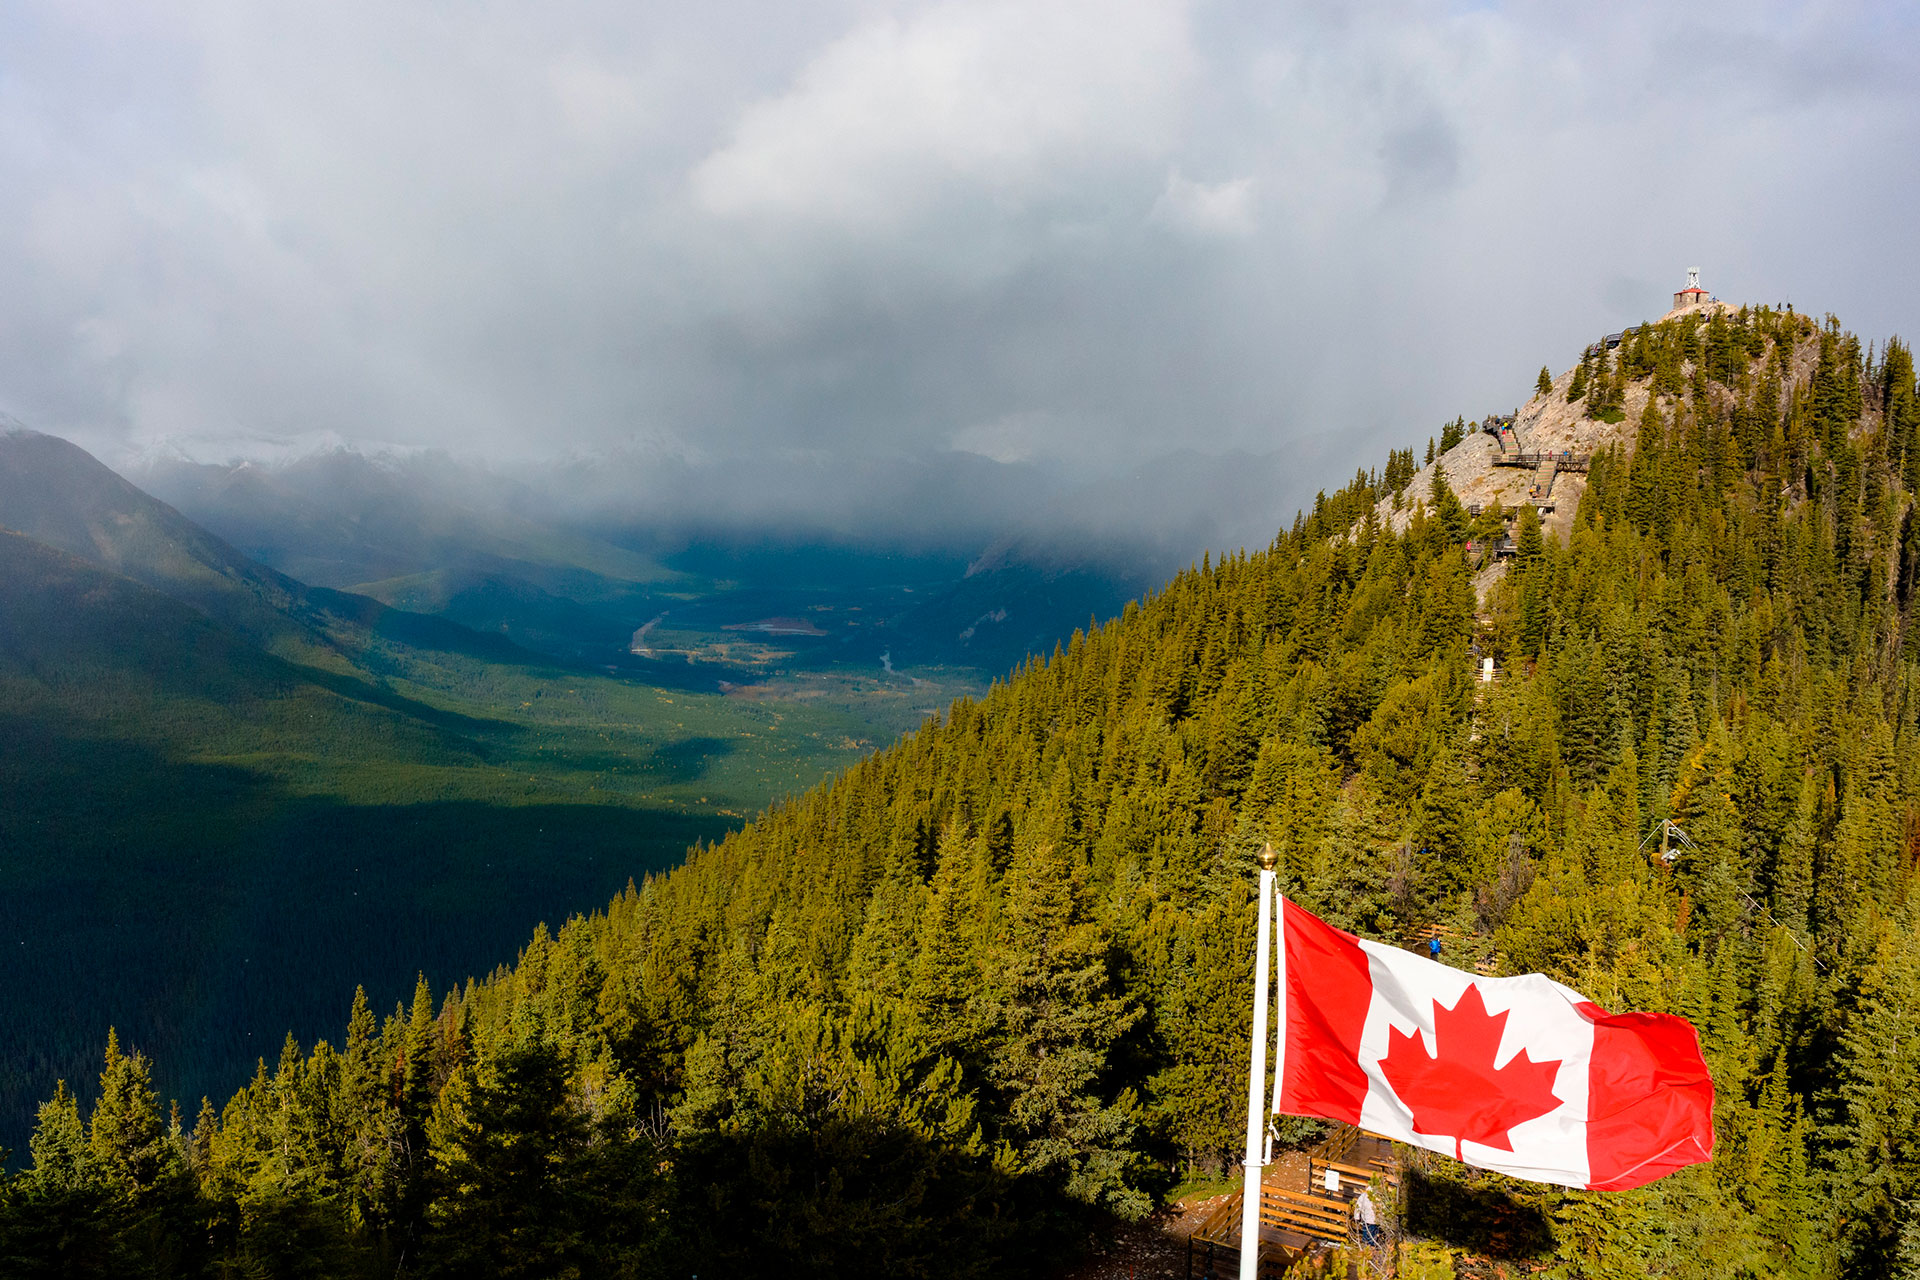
column 1693, row 277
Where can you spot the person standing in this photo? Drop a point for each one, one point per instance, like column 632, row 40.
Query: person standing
column 1369, row 1221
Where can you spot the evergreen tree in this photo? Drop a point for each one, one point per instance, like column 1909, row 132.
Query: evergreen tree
column 525, row 1187
column 1057, row 1021
column 1445, row 864
column 1450, row 516
column 63, row 1159
column 126, row 1136
column 943, row 989
column 1528, row 544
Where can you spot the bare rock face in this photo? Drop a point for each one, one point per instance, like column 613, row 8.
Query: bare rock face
column 1544, row 424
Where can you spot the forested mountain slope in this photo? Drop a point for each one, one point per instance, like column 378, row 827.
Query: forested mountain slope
column 940, row 1016
column 136, row 830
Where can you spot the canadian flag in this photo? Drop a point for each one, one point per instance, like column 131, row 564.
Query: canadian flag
column 1521, row 1075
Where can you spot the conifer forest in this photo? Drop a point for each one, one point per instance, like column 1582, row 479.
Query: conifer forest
column 960, row 1010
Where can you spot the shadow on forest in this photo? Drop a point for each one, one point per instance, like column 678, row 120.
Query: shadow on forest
column 420, row 630
column 829, row 1192
column 356, row 689
column 678, row 673
column 1483, row 1219
column 689, row 759
column 205, row 910
column 822, row 1187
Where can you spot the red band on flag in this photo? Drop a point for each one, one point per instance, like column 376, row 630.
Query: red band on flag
column 1649, row 1098
column 1328, row 991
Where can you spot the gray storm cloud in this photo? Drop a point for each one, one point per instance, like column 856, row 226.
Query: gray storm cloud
column 1083, row 233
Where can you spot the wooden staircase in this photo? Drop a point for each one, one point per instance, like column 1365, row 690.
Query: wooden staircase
column 1294, row 1224
column 1542, row 489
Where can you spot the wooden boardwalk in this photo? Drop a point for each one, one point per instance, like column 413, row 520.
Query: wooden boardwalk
column 1564, row 460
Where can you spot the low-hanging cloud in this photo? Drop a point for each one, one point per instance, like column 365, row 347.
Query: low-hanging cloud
column 1089, row 233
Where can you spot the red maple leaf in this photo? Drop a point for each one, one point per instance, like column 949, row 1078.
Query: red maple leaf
column 1456, row 1092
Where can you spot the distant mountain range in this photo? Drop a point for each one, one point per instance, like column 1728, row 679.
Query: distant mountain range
column 58, row 494
column 340, row 518
column 370, row 511
column 988, row 561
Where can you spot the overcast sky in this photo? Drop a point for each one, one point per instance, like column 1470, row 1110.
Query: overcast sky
column 1085, row 231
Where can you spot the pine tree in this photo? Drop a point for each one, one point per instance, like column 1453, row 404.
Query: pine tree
column 412, row 1080
column 63, row 1159
column 883, row 954
column 1058, row 1019
column 200, row 1139
column 1201, row 1095
column 943, row 990
column 524, row 1187
column 1450, row 515
column 369, row 1130
column 126, row 1136
column 1543, row 385
column 1444, row 866
column 1528, row 544
column 1790, row 889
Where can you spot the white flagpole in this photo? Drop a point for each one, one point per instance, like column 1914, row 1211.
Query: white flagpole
column 1279, row 995
column 1257, row 1078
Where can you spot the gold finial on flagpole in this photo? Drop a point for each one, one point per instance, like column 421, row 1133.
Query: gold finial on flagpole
column 1268, row 858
